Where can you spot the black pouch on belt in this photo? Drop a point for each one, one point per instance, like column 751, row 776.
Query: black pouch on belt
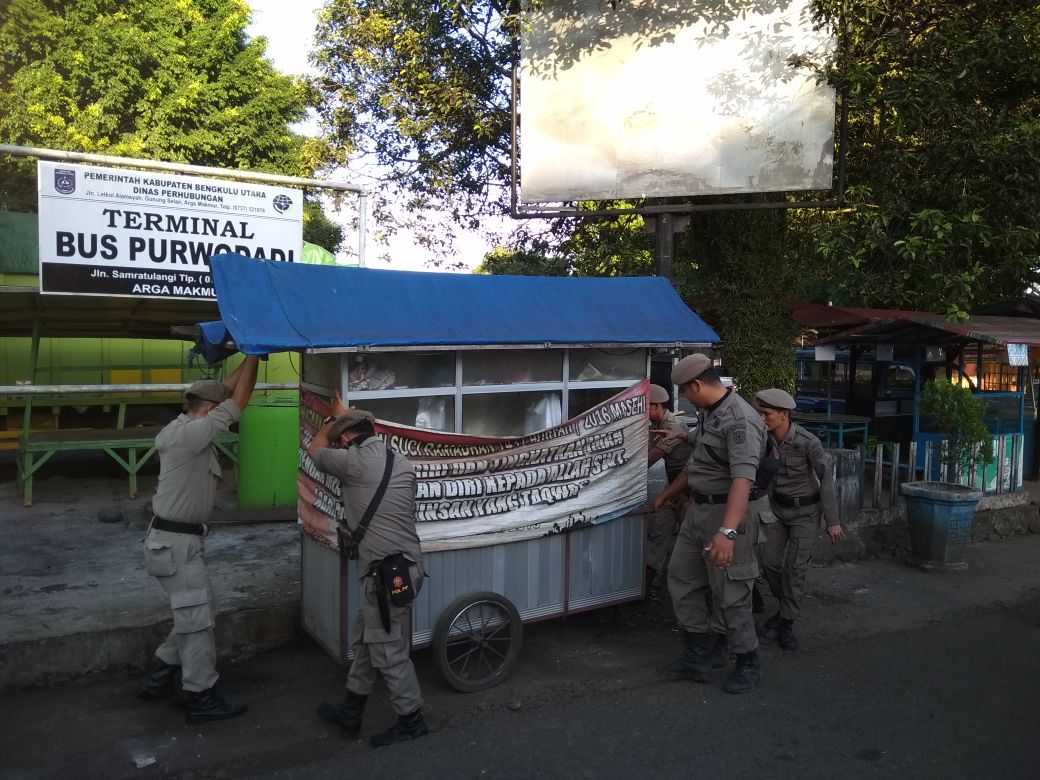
column 397, row 579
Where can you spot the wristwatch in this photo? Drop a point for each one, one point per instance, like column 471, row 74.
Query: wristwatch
column 729, row 533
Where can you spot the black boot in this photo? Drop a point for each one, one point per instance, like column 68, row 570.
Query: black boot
column 746, row 676
column 653, row 590
column 161, row 681
column 410, row 726
column 695, row 663
column 788, row 641
column 771, row 628
column 758, row 606
column 209, row 705
column 346, row 715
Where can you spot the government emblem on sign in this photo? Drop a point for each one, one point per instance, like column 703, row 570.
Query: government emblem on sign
column 64, row 181
column 282, row 203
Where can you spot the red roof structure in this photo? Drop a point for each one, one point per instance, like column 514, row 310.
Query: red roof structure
column 899, row 326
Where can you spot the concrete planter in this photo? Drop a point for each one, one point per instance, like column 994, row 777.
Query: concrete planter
column 940, row 515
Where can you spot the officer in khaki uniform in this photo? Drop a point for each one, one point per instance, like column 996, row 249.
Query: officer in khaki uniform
column 804, row 489
column 675, row 451
column 188, row 475
column 715, row 549
column 347, row 448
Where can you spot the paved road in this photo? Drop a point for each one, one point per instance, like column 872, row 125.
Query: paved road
column 954, row 699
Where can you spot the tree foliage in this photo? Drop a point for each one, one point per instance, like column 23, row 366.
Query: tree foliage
column 740, row 269
column 943, row 153
column 943, row 160
column 422, row 89
column 172, row 80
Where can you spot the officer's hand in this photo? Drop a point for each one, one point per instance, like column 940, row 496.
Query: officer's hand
column 836, row 533
column 720, row 551
column 663, row 434
column 338, row 409
column 345, row 542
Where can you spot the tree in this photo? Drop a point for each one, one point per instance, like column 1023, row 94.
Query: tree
column 943, row 156
column 173, row 80
column 520, row 262
column 741, row 269
column 944, row 153
column 319, row 229
column 422, row 89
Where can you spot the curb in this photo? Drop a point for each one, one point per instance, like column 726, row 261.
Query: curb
column 45, row 662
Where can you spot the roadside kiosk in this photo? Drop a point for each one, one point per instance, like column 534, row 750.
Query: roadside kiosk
column 990, row 354
column 471, row 372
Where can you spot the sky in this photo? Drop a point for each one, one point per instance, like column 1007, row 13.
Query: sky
column 289, row 26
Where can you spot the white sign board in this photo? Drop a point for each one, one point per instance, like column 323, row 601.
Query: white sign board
column 654, row 99
column 825, row 354
column 118, row 232
column 1018, row 355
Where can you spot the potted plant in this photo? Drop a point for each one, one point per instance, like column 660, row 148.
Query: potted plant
column 940, row 513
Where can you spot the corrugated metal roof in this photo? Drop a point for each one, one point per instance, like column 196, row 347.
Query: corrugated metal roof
column 906, row 327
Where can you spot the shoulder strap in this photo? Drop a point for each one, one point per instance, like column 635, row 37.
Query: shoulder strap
column 768, row 462
column 359, row 533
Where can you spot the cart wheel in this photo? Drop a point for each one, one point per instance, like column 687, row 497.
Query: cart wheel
column 476, row 641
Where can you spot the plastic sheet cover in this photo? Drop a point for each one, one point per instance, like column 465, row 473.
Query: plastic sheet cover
column 269, row 306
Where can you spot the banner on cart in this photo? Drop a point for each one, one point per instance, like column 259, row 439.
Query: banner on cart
column 473, row 491
column 145, row 234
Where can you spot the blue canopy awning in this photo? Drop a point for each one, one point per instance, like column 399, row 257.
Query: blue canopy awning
column 270, row 306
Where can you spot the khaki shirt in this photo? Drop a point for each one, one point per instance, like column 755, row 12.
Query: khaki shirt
column 676, row 450
column 727, row 445
column 360, row 469
column 188, row 466
column 805, row 468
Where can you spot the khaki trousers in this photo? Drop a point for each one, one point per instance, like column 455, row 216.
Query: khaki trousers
column 690, row 576
column 661, row 531
column 377, row 651
column 787, row 555
column 177, row 563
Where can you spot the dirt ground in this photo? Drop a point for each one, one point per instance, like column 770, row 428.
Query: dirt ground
column 577, row 665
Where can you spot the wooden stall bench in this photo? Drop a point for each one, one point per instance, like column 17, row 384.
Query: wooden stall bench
column 131, row 448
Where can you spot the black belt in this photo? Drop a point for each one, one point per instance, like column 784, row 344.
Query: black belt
column 710, row 498
column 178, row 528
column 720, row 498
column 791, row 502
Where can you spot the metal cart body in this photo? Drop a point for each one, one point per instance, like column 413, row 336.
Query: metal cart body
column 477, row 356
column 543, row 578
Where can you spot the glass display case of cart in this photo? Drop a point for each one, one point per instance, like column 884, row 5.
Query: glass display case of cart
column 485, row 392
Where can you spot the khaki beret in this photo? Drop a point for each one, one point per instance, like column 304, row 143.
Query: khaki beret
column 348, row 420
column 208, row 390
column 689, row 368
column 776, row 398
column 658, row 395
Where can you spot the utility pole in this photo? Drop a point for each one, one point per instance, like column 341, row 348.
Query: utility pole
column 664, row 227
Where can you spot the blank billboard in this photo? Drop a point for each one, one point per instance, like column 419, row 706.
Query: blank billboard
column 659, row 98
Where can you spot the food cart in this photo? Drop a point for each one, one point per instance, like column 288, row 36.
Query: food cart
column 522, row 403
